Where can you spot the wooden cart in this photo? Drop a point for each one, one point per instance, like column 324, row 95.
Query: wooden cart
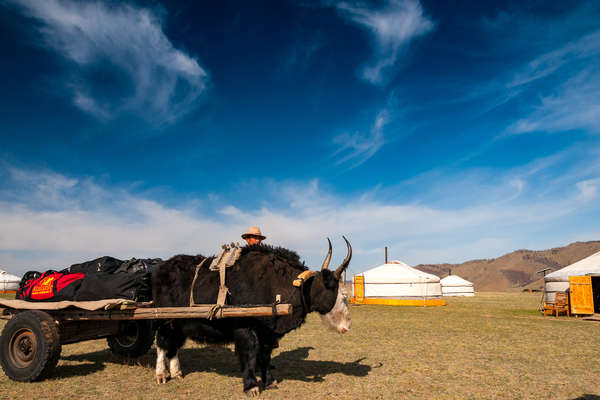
column 31, row 341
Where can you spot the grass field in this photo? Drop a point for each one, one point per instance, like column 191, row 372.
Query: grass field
column 495, row 345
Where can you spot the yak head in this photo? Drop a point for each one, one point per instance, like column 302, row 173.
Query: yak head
column 327, row 294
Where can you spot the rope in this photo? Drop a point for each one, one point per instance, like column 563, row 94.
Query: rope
column 223, row 290
column 304, row 307
column 216, row 311
column 274, row 307
column 192, row 303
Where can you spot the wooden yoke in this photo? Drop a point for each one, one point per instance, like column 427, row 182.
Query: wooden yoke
column 303, row 277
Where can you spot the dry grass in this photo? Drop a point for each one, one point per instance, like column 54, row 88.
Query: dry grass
column 495, row 345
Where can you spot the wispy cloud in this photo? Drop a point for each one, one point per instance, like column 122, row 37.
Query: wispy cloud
column 393, row 27
column 556, row 86
column 356, row 148
column 575, row 104
column 547, row 63
column 560, row 81
column 143, row 72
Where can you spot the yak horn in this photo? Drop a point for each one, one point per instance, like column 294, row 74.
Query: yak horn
column 344, row 265
column 327, row 257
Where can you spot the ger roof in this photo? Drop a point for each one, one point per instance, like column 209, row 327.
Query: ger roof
column 397, row 272
column 588, row 266
column 6, row 277
column 455, row 280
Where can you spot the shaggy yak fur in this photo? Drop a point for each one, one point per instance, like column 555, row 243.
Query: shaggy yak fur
column 260, row 274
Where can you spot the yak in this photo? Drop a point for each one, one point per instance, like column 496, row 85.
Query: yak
column 261, row 275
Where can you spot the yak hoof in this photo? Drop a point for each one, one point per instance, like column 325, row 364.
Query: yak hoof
column 253, row 392
column 161, row 379
column 272, row 385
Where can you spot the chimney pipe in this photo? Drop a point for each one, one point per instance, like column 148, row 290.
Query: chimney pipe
column 386, row 255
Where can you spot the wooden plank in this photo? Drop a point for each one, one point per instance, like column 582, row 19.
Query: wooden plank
column 582, row 298
column 595, row 317
column 77, row 331
column 201, row 311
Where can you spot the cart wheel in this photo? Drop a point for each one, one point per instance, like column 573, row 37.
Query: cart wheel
column 134, row 342
column 29, row 346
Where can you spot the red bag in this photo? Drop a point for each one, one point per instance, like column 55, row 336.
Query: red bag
column 51, row 286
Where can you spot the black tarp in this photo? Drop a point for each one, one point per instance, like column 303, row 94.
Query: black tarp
column 139, row 265
column 102, row 264
column 136, row 286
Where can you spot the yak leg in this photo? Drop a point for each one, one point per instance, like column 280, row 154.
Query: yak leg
column 169, row 338
column 247, row 348
column 161, row 371
column 264, row 362
column 174, row 368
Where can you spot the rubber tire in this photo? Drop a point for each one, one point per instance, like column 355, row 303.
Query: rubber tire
column 32, row 326
column 136, row 343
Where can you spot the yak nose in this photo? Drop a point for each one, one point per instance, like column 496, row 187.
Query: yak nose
column 343, row 330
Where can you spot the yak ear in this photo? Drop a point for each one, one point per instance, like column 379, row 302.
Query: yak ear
column 329, row 279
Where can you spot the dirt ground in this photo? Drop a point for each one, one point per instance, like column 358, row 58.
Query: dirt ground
column 495, row 345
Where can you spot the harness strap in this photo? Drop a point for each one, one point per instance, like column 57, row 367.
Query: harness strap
column 274, row 307
column 299, row 283
column 216, row 311
column 304, row 307
column 192, row 302
column 223, row 290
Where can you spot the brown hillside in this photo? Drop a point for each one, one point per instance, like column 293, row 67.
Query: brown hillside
column 516, row 270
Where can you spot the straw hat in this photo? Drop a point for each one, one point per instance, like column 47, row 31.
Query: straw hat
column 254, row 231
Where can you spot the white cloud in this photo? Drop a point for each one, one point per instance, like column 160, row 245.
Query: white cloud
column 44, row 188
column 91, row 106
column 142, row 71
column 230, row 210
column 354, row 149
column 588, row 189
column 477, row 218
column 392, row 27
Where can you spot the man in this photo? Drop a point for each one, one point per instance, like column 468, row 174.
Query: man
column 253, row 236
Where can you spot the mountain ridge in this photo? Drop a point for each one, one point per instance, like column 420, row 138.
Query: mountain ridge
column 515, row 270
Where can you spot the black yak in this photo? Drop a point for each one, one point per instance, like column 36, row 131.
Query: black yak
column 258, row 277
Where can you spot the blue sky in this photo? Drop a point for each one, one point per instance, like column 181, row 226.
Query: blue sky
column 446, row 132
